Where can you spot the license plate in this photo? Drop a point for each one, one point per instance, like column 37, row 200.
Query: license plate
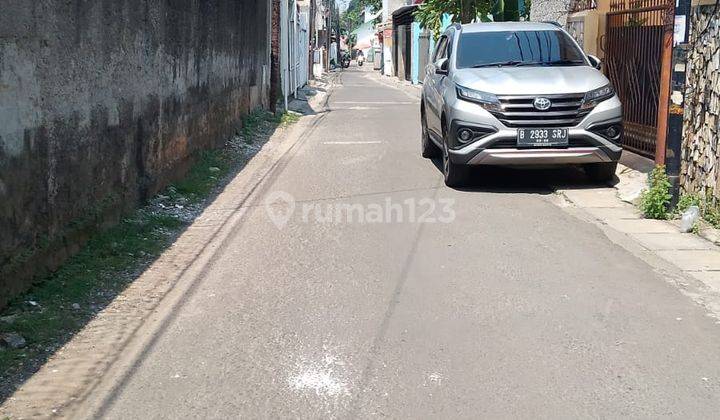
column 542, row 137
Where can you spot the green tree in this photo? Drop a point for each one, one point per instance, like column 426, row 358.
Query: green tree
column 430, row 13
column 506, row 11
column 353, row 17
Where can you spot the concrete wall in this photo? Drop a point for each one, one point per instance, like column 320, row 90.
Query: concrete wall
column 104, row 102
column 701, row 125
column 389, row 6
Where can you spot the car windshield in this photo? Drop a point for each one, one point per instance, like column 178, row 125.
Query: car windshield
column 518, row 48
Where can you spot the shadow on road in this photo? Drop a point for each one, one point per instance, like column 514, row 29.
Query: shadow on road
column 509, row 180
column 62, row 303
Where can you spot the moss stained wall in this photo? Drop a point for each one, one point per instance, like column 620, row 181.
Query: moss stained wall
column 104, row 102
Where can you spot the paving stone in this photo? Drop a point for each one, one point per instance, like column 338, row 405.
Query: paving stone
column 606, row 213
column 671, row 241
column 641, row 226
column 710, row 278
column 594, row 197
column 695, row 260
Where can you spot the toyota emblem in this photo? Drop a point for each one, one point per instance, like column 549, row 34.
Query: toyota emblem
column 542, row 104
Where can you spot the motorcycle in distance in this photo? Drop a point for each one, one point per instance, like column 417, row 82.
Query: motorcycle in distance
column 360, row 58
column 345, row 61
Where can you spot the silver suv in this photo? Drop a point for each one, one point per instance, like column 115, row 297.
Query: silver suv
column 518, row 93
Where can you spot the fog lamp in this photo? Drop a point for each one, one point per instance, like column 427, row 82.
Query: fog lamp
column 465, row 135
column 612, row 132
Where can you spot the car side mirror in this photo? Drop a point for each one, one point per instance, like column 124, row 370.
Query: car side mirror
column 594, row 61
column 441, row 66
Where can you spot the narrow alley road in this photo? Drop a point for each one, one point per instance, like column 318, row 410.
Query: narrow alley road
column 486, row 302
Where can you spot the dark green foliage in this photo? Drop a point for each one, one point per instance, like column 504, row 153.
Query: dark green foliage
column 431, row 12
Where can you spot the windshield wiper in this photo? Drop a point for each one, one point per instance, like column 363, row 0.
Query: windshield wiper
column 564, row 62
column 498, row 64
column 517, row 63
column 532, row 63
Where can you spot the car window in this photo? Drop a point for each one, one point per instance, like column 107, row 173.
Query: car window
column 441, row 48
column 547, row 47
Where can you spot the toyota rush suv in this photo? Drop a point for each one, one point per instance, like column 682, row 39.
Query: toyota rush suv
column 518, row 93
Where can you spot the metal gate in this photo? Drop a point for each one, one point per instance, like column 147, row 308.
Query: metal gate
column 403, row 52
column 399, row 51
column 637, row 44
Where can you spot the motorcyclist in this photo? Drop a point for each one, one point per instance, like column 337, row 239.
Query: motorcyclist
column 345, row 60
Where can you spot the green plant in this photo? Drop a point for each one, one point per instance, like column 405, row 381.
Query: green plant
column 696, row 228
column 709, row 208
column 710, row 212
column 635, row 22
column 430, row 13
column 287, row 118
column 655, row 200
column 527, row 4
column 687, row 200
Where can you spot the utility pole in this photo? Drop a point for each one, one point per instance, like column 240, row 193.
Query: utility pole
column 328, row 23
column 673, row 143
column 336, row 10
column 312, row 41
column 274, row 54
column 284, row 56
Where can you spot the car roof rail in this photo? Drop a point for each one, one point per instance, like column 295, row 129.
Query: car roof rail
column 457, row 25
column 552, row 22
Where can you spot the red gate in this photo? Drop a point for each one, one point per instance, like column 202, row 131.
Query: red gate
column 638, row 47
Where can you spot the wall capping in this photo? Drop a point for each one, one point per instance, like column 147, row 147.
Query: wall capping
column 696, row 3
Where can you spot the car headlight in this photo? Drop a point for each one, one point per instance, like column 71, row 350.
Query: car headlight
column 487, row 100
column 596, row 96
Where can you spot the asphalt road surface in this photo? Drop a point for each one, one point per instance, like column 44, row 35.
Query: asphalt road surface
column 386, row 294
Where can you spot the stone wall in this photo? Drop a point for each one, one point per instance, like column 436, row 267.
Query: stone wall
column 550, row 10
column 700, row 152
column 104, row 102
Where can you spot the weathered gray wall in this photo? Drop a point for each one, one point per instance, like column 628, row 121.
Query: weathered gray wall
column 550, row 10
column 700, row 152
column 103, row 102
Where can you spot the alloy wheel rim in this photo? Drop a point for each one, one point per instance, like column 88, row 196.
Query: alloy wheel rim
column 446, row 159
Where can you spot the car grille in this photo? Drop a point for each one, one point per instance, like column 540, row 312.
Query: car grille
column 512, row 143
column 518, row 111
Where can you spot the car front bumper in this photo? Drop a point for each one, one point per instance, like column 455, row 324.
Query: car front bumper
column 496, row 148
column 549, row 156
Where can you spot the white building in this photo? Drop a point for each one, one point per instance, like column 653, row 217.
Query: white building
column 294, row 45
column 365, row 33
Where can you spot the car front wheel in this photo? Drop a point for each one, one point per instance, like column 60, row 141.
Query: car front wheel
column 601, row 172
column 455, row 175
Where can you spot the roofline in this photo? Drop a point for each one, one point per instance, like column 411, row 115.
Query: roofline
column 516, row 26
column 404, row 9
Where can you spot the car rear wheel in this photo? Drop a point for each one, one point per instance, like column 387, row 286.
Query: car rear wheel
column 429, row 149
column 601, row 172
